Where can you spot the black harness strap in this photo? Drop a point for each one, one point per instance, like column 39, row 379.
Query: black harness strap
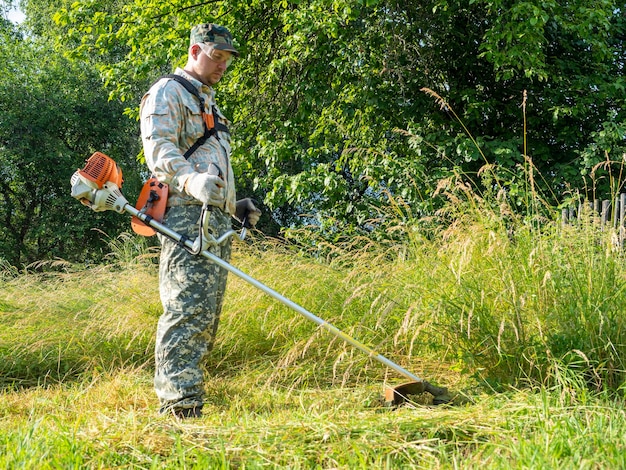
column 217, row 126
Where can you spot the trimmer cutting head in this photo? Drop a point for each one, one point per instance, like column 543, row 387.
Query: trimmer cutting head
column 395, row 396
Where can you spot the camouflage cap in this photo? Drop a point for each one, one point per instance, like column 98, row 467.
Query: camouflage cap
column 218, row 36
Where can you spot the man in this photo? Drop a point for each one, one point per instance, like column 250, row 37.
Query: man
column 191, row 287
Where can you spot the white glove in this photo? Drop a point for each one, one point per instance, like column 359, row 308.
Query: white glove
column 247, row 213
column 208, row 189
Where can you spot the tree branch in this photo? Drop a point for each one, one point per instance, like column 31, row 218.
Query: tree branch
column 190, row 7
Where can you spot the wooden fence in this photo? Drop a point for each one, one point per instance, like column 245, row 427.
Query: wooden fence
column 608, row 213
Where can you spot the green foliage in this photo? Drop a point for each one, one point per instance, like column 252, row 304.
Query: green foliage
column 318, row 99
column 53, row 115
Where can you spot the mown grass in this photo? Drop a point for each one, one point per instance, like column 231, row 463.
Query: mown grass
column 522, row 321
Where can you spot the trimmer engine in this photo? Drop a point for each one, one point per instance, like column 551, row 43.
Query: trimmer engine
column 98, row 184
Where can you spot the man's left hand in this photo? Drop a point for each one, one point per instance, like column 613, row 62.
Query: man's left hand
column 247, row 213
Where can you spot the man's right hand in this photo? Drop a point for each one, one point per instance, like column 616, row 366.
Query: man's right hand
column 208, row 189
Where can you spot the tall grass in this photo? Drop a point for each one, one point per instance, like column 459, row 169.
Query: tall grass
column 59, row 325
column 522, row 299
column 513, row 298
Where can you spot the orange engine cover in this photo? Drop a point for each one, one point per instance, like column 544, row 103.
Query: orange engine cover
column 101, row 168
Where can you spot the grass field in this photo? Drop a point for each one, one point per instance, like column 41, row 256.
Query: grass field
column 527, row 330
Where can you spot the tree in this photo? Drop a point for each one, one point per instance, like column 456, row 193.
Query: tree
column 328, row 103
column 53, row 115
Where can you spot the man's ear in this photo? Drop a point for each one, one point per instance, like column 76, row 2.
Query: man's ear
column 195, row 51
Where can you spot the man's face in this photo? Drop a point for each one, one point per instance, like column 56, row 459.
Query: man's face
column 211, row 64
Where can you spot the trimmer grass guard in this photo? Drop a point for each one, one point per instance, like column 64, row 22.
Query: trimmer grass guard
column 98, row 185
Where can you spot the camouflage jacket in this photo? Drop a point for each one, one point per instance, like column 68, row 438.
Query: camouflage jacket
column 171, row 123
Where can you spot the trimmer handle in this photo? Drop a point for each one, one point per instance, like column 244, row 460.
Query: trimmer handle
column 244, row 216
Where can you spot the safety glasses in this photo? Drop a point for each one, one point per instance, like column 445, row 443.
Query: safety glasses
column 218, row 56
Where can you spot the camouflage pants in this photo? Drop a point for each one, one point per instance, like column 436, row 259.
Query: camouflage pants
column 192, row 289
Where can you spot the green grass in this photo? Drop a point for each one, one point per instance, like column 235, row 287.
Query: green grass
column 526, row 327
column 110, row 422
